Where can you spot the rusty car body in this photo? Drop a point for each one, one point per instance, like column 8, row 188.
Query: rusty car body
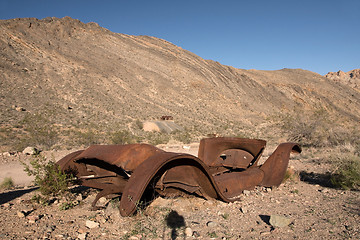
column 223, row 169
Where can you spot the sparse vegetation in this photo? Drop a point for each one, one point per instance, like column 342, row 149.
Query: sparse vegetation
column 123, row 137
column 291, row 175
column 7, row 183
column 318, row 129
column 347, row 172
column 182, row 136
column 48, row 176
column 68, row 205
column 40, row 132
column 156, row 138
column 212, row 234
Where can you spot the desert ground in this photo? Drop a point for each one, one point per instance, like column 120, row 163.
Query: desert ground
column 303, row 207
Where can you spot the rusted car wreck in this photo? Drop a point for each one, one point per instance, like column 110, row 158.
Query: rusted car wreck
column 223, row 169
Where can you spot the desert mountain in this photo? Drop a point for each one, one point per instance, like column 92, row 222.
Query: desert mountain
column 74, row 73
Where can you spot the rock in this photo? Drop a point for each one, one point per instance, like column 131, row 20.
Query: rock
column 30, row 151
column 324, row 190
column 6, row 205
column 244, row 209
column 265, row 233
column 20, row 109
column 211, row 224
column 6, row 154
column 102, row 200
column 196, row 234
column 279, row 221
column 82, row 230
column 91, row 224
column 21, row 214
column 101, row 219
column 188, row 232
column 33, row 218
column 79, row 197
column 82, row 236
column 246, row 192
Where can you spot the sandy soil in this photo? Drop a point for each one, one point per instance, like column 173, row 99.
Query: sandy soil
column 313, row 211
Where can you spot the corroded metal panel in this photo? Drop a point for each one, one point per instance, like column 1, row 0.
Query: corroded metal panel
column 225, row 167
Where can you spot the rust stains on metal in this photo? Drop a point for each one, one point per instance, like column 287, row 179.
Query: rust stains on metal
column 224, row 168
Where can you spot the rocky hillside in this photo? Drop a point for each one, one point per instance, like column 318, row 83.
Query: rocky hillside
column 351, row 78
column 71, row 73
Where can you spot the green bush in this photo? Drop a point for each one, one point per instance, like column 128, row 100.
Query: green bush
column 123, row 137
column 156, row 138
column 48, row 176
column 182, row 136
column 347, row 172
column 7, row 183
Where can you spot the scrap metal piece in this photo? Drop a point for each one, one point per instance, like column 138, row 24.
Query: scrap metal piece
column 223, row 169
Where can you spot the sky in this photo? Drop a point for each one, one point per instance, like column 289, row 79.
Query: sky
column 317, row 35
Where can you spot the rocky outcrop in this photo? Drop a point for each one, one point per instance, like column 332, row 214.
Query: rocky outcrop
column 351, row 78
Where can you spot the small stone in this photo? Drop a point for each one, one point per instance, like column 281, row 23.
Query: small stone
column 196, row 234
column 279, row 221
column 101, row 219
column 33, row 218
column 133, row 238
column 268, row 189
column 30, row 151
column 211, row 224
column 102, row 200
column 188, row 232
column 244, row 209
column 79, row 197
column 6, row 205
column 82, row 230
column 246, row 192
column 21, row 214
column 59, row 236
column 91, row 224
column 20, row 109
column 82, row 236
column 6, row 154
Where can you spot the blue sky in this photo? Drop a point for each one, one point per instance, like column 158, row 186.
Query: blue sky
column 316, row 35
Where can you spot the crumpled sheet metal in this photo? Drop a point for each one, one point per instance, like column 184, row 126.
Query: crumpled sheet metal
column 224, row 168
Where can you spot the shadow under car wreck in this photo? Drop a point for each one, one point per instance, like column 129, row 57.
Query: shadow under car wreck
column 224, row 168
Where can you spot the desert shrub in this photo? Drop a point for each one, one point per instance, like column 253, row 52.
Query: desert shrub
column 156, row 138
column 82, row 136
column 182, row 136
column 123, row 137
column 290, row 175
column 346, row 174
column 41, row 131
column 7, row 183
column 317, row 129
column 139, row 124
column 48, row 176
